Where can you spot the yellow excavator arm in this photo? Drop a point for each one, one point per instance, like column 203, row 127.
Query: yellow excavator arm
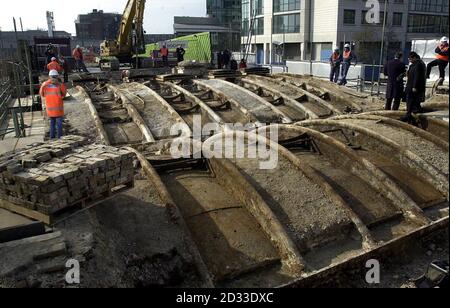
column 132, row 20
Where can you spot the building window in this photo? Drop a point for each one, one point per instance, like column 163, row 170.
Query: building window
column 349, row 17
column 245, row 10
column 364, row 19
column 434, row 6
column 258, row 7
column 397, row 19
column 286, row 23
column 286, row 5
column 427, row 24
column 259, row 26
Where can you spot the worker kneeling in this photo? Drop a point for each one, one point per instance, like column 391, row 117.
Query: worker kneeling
column 54, row 92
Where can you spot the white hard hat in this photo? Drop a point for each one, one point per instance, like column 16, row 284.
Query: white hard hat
column 78, row 46
column 53, row 59
column 336, row 48
column 53, row 73
column 347, row 46
column 444, row 39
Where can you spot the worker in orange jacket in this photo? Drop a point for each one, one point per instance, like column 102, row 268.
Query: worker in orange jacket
column 79, row 59
column 164, row 51
column 441, row 61
column 54, row 91
column 54, row 66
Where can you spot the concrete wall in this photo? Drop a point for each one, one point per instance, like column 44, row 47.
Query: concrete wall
column 321, row 70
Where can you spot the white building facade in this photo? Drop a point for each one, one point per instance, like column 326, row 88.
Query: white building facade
column 310, row 29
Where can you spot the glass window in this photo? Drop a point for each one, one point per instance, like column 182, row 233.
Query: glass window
column 427, row 24
column 286, row 5
column 397, row 19
column 349, row 17
column 258, row 6
column 259, row 26
column 286, row 23
column 437, row 6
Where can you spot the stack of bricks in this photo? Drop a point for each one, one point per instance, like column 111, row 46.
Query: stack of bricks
column 49, row 177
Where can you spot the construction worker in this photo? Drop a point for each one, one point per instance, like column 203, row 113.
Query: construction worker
column 54, row 65
column 395, row 70
column 50, row 53
column 441, row 60
column 226, row 56
column 180, row 53
column 53, row 91
column 348, row 57
column 78, row 56
column 335, row 63
column 415, row 87
column 65, row 67
column 243, row 64
column 164, row 51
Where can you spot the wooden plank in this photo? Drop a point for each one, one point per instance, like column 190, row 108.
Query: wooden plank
column 32, row 240
column 25, row 212
column 20, row 232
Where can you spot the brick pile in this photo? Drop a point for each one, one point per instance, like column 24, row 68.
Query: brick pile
column 49, row 177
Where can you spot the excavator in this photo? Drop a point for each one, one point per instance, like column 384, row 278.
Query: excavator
column 130, row 39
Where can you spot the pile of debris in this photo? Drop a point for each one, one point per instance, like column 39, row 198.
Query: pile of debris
column 52, row 176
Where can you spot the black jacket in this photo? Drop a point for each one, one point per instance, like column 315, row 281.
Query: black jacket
column 393, row 69
column 417, row 79
column 180, row 54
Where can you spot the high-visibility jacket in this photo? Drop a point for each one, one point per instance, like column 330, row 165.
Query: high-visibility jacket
column 77, row 54
column 164, row 52
column 349, row 56
column 442, row 52
column 54, row 65
column 54, row 95
column 336, row 58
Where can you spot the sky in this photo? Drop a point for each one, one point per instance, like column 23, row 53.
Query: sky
column 158, row 14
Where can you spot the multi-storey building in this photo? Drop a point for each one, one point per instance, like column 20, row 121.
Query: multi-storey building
column 310, row 29
column 228, row 12
column 98, row 25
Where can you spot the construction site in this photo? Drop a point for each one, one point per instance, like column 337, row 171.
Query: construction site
column 350, row 181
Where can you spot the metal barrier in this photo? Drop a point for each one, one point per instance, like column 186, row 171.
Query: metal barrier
column 10, row 88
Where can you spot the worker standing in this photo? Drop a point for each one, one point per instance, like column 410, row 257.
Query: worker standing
column 348, row 58
column 226, row 58
column 220, row 60
column 79, row 60
column 335, row 63
column 53, row 91
column 395, row 70
column 65, row 67
column 164, row 51
column 50, row 53
column 180, row 53
column 415, row 87
column 441, row 60
column 54, row 66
